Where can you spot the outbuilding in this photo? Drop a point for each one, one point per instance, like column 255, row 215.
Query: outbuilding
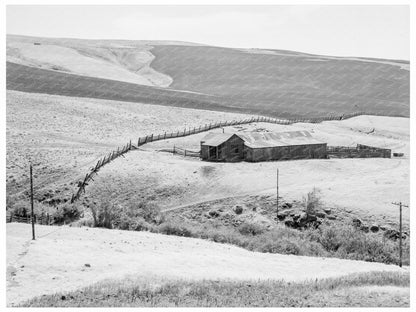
column 222, row 147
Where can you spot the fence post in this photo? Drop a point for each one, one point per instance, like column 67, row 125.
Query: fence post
column 31, row 202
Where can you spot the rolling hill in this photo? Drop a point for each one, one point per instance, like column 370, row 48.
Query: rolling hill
column 267, row 82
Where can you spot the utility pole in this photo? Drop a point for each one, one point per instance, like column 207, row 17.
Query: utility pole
column 277, row 195
column 400, row 229
column 31, row 203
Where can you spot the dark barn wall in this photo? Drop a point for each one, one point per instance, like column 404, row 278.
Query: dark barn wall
column 204, row 152
column 231, row 150
column 286, row 152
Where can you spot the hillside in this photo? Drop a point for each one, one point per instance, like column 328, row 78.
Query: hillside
column 276, row 80
column 72, row 101
column 268, row 82
column 65, row 259
column 65, row 136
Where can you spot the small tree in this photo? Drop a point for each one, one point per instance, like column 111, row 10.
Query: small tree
column 312, row 202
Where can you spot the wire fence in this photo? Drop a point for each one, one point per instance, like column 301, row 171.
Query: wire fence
column 176, row 134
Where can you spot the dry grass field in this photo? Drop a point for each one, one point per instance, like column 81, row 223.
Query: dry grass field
column 271, row 83
column 65, row 259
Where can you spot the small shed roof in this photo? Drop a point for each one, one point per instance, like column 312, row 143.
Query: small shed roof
column 273, row 139
column 215, row 139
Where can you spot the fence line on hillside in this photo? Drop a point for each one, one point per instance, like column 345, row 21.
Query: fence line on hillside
column 176, row 134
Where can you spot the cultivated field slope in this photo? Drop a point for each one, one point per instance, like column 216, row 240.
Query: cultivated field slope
column 65, row 259
column 269, row 82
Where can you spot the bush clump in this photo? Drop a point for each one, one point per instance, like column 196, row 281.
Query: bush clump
column 170, row 228
column 130, row 216
column 312, row 202
column 253, row 229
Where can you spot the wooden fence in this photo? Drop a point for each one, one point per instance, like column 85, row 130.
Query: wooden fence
column 176, row 134
column 360, row 151
column 181, row 151
column 44, row 219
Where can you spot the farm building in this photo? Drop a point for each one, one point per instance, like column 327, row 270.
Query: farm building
column 222, row 147
column 256, row 146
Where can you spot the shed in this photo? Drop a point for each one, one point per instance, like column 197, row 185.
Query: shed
column 222, row 147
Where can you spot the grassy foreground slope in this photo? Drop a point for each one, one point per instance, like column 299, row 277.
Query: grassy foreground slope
column 66, row 258
column 376, row 289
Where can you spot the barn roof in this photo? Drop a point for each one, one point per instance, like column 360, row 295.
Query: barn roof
column 272, row 139
column 215, row 139
column 263, row 139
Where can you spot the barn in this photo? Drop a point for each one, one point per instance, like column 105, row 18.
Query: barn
column 261, row 146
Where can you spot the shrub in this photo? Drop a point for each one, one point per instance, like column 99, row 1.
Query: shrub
column 312, row 202
column 330, row 238
column 105, row 215
column 171, row 228
column 19, row 207
column 66, row 213
column 251, row 229
column 83, row 222
column 132, row 215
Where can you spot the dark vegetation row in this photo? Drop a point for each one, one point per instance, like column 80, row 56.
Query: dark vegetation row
column 330, row 239
column 331, row 292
